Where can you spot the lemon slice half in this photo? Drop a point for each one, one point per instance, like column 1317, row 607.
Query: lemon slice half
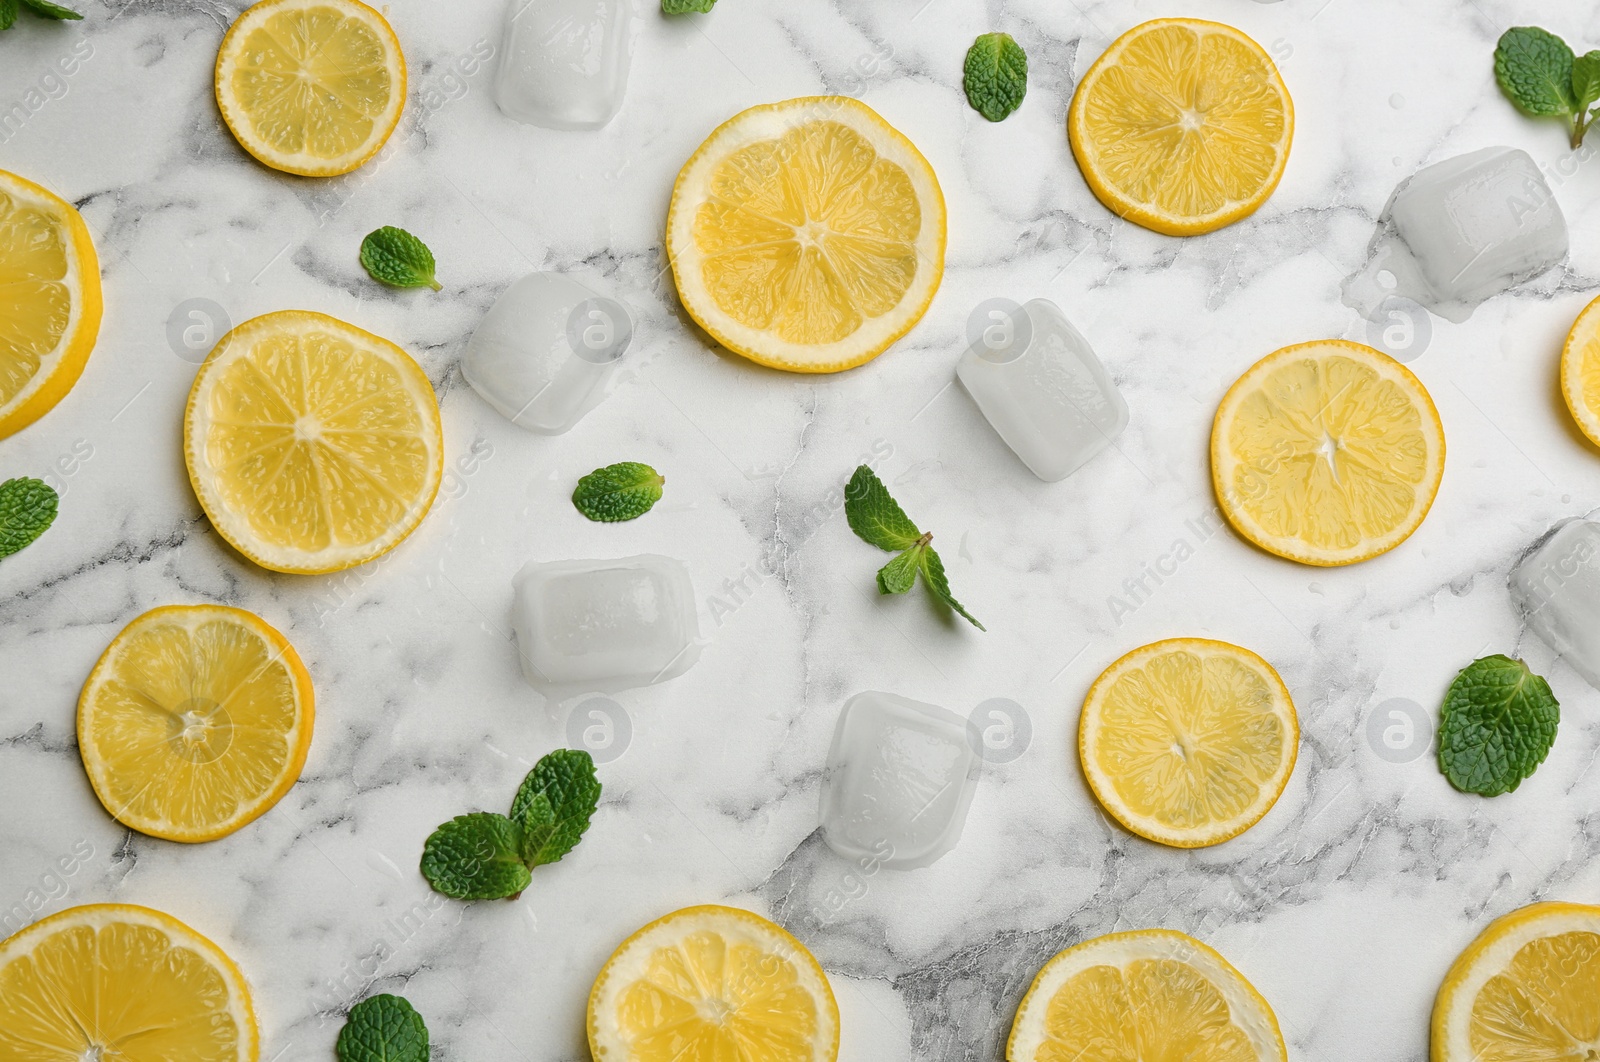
column 1580, row 371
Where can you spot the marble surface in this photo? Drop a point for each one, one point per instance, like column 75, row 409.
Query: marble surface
column 1344, row 906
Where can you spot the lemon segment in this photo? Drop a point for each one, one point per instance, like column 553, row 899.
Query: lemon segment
column 1188, row 741
column 312, row 87
column 1327, row 453
column 1182, row 126
column 195, row 722
column 1580, row 371
column 50, row 301
column 312, row 445
column 1149, row 994
column 807, row 235
column 1527, row 990
column 712, row 984
column 123, row 983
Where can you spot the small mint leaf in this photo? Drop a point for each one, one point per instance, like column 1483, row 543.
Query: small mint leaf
column 554, row 804
column 680, row 7
column 995, row 75
column 900, row 574
column 27, row 509
column 1586, row 81
column 874, row 516
column 1534, row 68
column 1497, row 725
column 623, row 491
column 8, row 14
column 45, row 9
column 476, row 857
column 939, row 585
column 395, row 257
column 383, row 1029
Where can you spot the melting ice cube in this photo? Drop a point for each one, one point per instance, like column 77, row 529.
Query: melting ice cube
column 1556, row 587
column 544, row 354
column 899, row 780
column 1039, row 384
column 1462, row 231
column 564, row 63
column 604, row 625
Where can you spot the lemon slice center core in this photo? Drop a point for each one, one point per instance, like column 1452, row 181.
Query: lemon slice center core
column 201, row 730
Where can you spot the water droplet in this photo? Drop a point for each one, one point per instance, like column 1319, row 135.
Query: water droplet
column 1397, row 101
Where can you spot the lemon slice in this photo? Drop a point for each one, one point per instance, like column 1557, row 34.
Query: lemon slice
column 1182, row 126
column 807, row 235
column 1580, row 371
column 49, row 301
column 1188, row 741
column 1527, row 990
column 1150, row 994
column 1327, row 453
column 312, row 445
column 124, row 984
column 312, row 87
column 712, row 984
column 195, row 721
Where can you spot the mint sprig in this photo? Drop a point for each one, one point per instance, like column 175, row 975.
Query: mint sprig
column 623, row 491
column 383, row 1029
column 681, row 7
column 1497, row 725
column 995, row 75
column 485, row 856
column 45, row 9
column 395, row 257
column 1542, row 76
column 27, row 509
column 877, row 519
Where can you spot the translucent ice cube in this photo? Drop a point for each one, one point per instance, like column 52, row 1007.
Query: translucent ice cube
column 1039, row 384
column 544, row 354
column 899, row 780
column 1556, row 587
column 1462, row 231
column 604, row 625
column 564, row 63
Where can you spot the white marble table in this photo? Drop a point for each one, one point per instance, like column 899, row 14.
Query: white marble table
column 1344, row 906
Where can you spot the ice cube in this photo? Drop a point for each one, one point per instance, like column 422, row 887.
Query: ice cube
column 1462, row 231
column 1038, row 383
column 564, row 63
column 545, row 353
column 1556, row 587
column 899, row 780
column 601, row 626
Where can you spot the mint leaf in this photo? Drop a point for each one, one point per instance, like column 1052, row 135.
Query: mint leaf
column 383, row 1029
column 27, row 509
column 1534, row 68
column 623, row 491
column 933, row 575
column 395, row 257
column 874, row 516
column 554, row 804
column 900, row 574
column 995, row 75
column 1497, row 725
column 8, row 14
column 679, row 7
column 1586, row 87
column 476, row 857
column 45, row 9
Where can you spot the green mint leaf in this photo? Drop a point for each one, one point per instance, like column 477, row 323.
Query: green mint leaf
column 1497, row 725
column 900, row 574
column 397, row 258
column 8, row 14
column 995, row 75
column 554, row 804
column 476, row 857
column 679, row 7
column 874, row 516
column 27, row 509
column 933, row 575
column 45, row 9
column 383, row 1029
column 1534, row 68
column 623, row 491
column 1586, row 81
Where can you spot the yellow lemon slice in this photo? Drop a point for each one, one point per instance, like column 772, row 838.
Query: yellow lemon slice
column 1182, row 126
column 1150, row 994
column 712, row 984
column 123, row 984
column 1188, row 741
column 312, row 87
column 49, row 301
column 807, row 235
column 1580, row 371
column 196, row 720
column 1327, row 453
column 312, row 445
column 1527, row 990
